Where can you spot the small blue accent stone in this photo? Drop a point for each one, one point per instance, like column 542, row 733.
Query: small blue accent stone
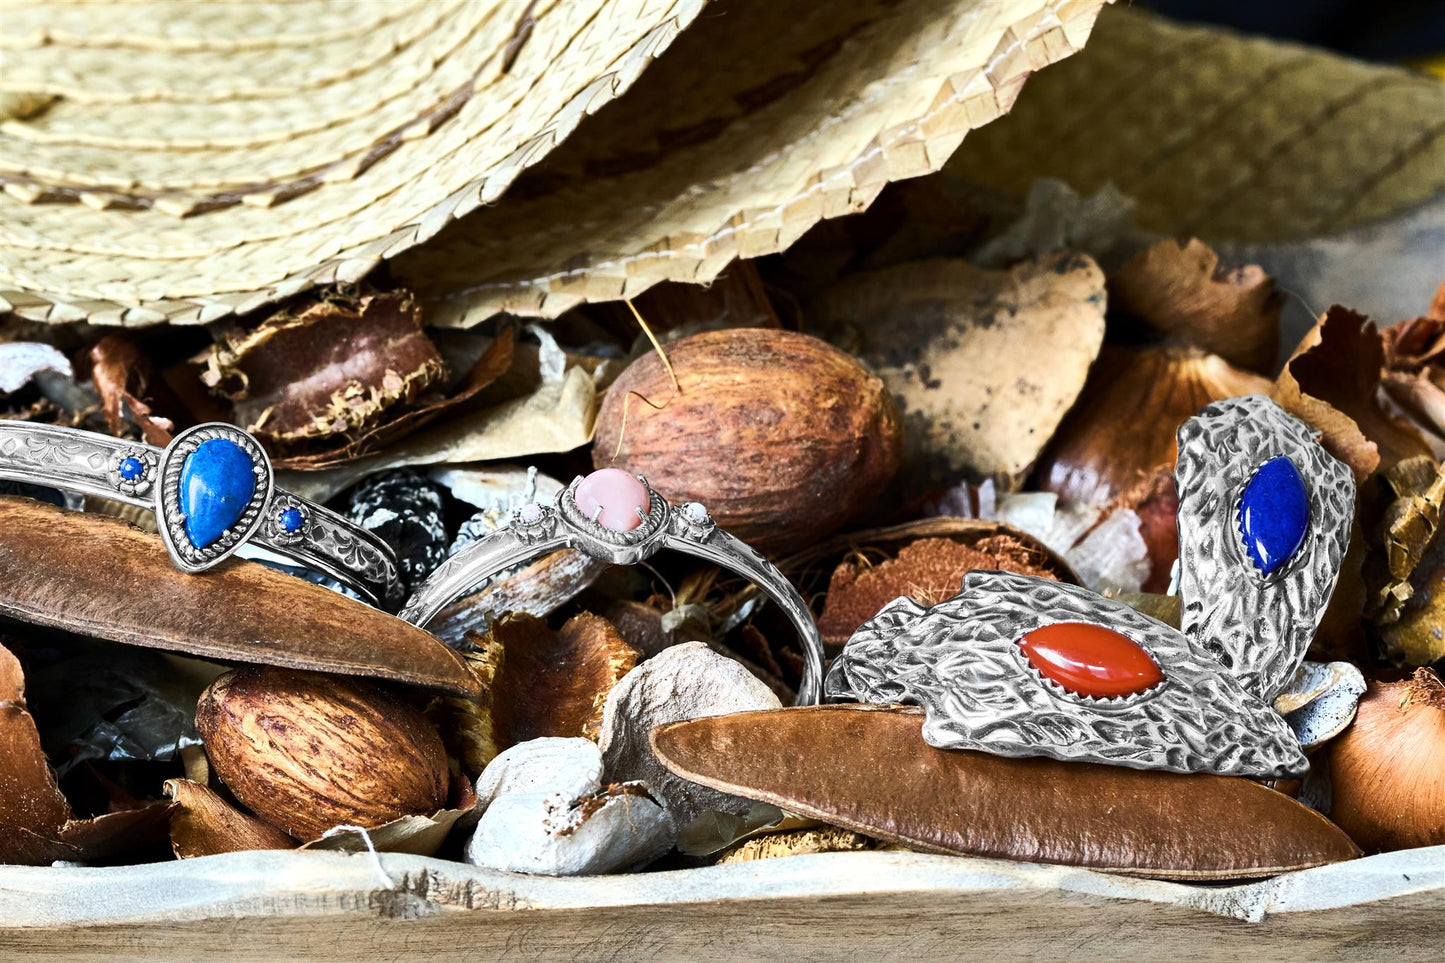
column 131, row 468
column 217, row 482
column 291, row 519
column 1274, row 514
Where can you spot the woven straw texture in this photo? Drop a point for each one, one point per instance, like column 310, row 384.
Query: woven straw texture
column 730, row 148
column 204, row 159
column 1221, row 136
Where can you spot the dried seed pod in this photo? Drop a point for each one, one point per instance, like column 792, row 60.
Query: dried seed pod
column 867, row 768
column 1388, row 767
column 203, row 824
column 307, row 752
column 783, row 437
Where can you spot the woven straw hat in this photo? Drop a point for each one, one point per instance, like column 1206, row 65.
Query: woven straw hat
column 1222, row 136
column 165, row 160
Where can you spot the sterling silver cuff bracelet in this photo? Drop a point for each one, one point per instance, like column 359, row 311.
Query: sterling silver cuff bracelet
column 212, row 490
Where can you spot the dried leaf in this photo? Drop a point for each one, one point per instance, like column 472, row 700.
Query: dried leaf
column 867, row 769
column 984, row 363
column 419, row 835
column 1415, row 370
column 927, row 570
column 203, row 824
column 1417, row 637
column 798, row 842
column 119, row 371
column 333, row 367
column 240, row 611
column 1180, row 290
column 1331, row 383
column 1410, row 527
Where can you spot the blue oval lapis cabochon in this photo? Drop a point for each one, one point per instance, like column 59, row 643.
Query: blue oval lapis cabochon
column 1274, row 514
column 217, row 482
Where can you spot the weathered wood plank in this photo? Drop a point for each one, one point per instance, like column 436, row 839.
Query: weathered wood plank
column 331, row 906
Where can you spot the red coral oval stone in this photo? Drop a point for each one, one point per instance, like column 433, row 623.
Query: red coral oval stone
column 1090, row 660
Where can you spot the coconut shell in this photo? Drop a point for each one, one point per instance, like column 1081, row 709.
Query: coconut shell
column 868, row 769
column 783, row 437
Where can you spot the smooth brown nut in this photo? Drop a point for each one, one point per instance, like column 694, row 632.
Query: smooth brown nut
column 781, row 436
column 307, row 752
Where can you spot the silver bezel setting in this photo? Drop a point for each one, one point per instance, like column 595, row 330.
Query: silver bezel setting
column 134, row 486
column 619, row 548
column 685, row 525
column 276, row 530
column 170, row 519
column 1258, row 627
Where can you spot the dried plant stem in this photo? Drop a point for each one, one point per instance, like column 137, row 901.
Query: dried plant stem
column 676, row 388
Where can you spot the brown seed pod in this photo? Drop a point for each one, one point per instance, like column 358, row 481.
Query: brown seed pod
column 1388, row 767
column 307, row 752
column 783, row 437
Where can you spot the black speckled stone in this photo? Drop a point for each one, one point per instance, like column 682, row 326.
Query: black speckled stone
column 407, row 511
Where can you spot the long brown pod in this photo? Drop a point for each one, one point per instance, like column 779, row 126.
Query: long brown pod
column 867, row 768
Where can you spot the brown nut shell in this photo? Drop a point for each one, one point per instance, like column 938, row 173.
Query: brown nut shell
column 307, row 752
column 867, row 768
column 782, row 436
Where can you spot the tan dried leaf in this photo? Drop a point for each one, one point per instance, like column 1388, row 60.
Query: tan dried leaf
column 203, row 824
column 1180, row 290
column 798, row 842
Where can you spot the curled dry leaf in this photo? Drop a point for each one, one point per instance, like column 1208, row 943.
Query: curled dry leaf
column 1417, row 637
column 120, row 371
column 37, row 825
column 798, row 842
column 238, row 611
column 984, row 363
column 204, row 824
column 329, row 367
column 927, row 570
column 782, row 436
column 1332, row 383
column 867, row 769
column 546, row 811
column 1388, row 768
column 1415, row 368
column 685, row 682
column 1182, row 291
column 420, row 834
column 307, row 752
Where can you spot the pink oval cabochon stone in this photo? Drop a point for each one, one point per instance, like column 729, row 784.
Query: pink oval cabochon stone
column 618, row 494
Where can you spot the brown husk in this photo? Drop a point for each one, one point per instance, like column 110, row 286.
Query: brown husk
column 204, row 824
column 783, row 437
column 1181, row 291
column 327, row 367
column 307, row 752
column 238, row 611
column 1410, row 528
column 550, row 683
column 37, row 824
column 119, row 372
column 928, row 570
column 1388, row 768
column 1415, row 369
column 984, row 363
column 1332, row 382
column 868, row 769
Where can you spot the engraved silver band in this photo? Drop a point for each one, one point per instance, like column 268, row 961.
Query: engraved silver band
column 148, row 477
column 537, row 530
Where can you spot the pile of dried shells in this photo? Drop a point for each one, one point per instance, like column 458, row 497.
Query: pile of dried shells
column 881, row 413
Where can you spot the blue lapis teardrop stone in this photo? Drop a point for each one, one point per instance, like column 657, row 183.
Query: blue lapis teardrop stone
column 1274, row 514
column 217, row 482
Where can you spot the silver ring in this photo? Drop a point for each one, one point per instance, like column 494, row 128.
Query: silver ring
column 536, row 530
column 234, row 479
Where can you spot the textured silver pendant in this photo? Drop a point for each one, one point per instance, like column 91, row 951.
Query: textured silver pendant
column 1264, row 520
column 1021, row 666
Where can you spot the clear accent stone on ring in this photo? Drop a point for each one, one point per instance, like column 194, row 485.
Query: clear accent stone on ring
column 529, row 514
column 694, row 512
